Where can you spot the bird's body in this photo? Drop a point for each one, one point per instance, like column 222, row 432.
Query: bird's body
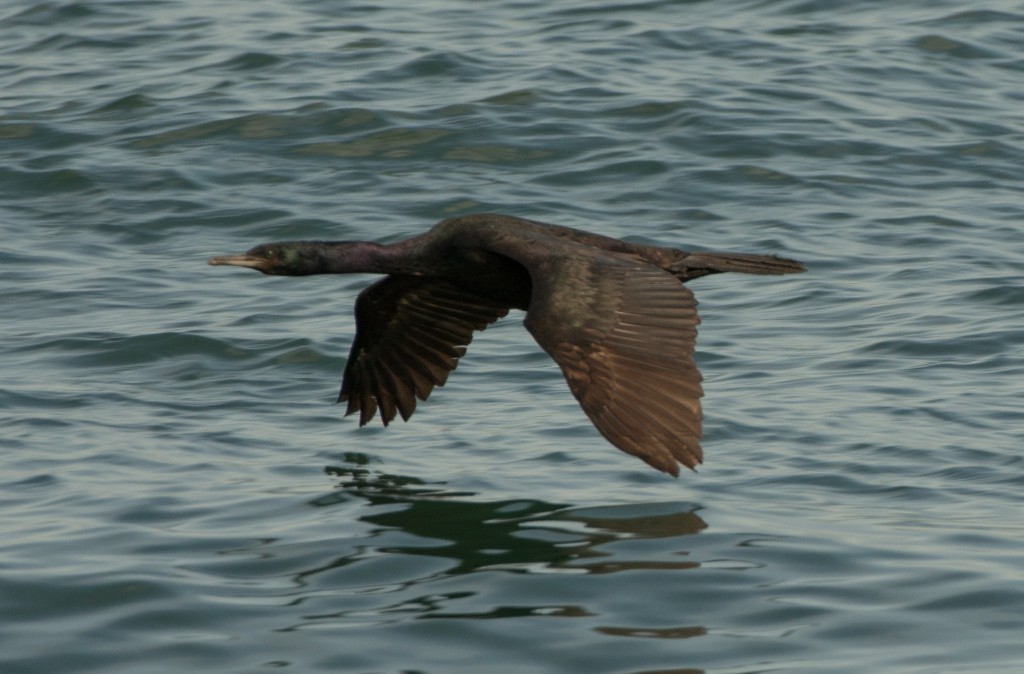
column 614, row 315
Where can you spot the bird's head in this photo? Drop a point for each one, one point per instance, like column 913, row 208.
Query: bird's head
column 285, row 258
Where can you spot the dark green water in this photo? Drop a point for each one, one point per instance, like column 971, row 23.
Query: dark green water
column 178, row 493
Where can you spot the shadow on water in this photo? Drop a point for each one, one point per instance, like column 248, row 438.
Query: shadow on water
column 523, row 535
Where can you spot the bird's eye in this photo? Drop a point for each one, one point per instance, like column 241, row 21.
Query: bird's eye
column 270, row 254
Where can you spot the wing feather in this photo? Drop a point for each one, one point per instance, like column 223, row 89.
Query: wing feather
column 410, row 334
column 623, row 333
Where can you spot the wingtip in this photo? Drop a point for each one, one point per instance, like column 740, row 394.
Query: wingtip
column 674, row 470
column 691, row 461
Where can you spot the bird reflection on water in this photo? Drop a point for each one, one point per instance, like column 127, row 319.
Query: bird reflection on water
column 518, row 534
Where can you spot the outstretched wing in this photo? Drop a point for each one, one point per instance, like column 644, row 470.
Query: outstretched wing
column 623, row 333
column 410, row 333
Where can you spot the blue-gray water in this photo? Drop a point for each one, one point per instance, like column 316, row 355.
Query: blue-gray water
column 179, row 493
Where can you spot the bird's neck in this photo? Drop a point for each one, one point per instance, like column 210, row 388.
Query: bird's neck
column 365, row 257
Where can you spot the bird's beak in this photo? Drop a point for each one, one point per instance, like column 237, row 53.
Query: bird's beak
column 250, row 261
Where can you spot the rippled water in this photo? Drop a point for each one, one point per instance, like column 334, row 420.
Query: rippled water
column 179, row 492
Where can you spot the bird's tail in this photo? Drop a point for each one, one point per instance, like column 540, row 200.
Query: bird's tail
column 743, row 263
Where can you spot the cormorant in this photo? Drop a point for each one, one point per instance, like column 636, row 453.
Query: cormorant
column 614, row 315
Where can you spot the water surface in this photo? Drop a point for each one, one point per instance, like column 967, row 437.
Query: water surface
column 178, row 490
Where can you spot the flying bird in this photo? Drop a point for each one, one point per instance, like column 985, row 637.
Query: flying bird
column 614, row 315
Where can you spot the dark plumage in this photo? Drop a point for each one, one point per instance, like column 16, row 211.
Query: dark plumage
column 615, row 316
